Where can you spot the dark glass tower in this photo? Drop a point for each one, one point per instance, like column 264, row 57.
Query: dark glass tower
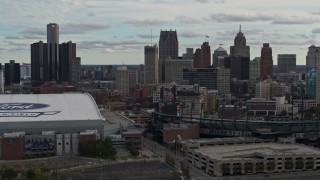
column 12, row 73
column 39, row 63
column 53, row 51
column 168, row 48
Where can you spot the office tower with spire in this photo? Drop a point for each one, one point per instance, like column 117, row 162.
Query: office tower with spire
column 218, row 56
column 151, row 64
column 168, row 48
column 266, row 62
column 53, row 51
column 202, row 57
column 312, row 68
column 239, row 59
column 240, row 47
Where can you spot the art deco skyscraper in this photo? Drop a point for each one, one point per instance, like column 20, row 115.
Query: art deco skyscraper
column 168, row 48
column 266, row 62
column 53, row 51
column 240, row 47
column 151, row 64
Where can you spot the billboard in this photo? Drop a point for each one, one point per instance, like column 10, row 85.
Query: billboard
column 39, row 143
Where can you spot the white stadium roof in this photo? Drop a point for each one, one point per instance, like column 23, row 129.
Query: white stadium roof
column 61, row 113
column 48, row 107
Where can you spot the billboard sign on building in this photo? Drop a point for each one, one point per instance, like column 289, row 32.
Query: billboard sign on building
column 39, row 143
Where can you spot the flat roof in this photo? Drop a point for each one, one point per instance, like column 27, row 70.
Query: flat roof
column 48, row 107
column 241, row 151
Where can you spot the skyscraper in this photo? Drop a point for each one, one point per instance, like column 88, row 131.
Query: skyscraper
column 53, row 51
column 202, row 57
column 67, row 56
column 39, row 63
column 151, row 64
column 254, row 72
column 168, row 47
column 266, row 63
column 218, row 56
column 240, row 47
column 312, row 65
column 1, row 80
column 286, row 63
column 12, row 73
column 122, row 80
column 239, row 67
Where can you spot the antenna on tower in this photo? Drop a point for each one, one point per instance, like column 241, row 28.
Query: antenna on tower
column 240, row 28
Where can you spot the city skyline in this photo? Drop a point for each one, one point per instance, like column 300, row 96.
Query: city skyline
column 112, row 32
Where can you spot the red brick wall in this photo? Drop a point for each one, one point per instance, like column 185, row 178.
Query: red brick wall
column 12, row 148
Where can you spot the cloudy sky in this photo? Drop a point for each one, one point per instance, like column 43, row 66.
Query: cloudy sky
column 115, row 31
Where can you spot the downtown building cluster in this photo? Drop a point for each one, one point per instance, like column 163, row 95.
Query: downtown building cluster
column 52, row 61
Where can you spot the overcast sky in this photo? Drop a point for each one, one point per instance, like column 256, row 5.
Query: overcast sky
column 115, row 31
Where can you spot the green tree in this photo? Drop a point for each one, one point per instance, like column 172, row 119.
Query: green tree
column 133, row 150
column 9, row 173
column 30, row 174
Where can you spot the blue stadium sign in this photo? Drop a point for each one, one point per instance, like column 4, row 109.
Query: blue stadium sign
column 21, row 106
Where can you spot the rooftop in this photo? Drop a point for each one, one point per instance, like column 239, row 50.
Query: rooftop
column 244, row 151
column 48, row 107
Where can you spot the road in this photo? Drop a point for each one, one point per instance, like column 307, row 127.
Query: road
column 161, row 151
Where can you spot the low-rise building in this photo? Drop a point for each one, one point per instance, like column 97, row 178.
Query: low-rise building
column 252, row 158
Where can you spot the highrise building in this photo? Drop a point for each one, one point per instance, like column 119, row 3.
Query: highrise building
column 204, row 77
column 151, row 64
column 53, row 51
column 174, row 69
column 239, row 67
column 312, row 59
column 168, row 48
column 240, row 47
column 189, row 54
column 122, row 80
column 218, row 56
column 67, row 57
column 263, row 90
column 223, row 80
column 1, row 80
column 25, row 71
column 254, row 73
column 133, row 80
column 202, row 57
column 39, row 63
column 266, row 63
column 12, row 73
column 75, row 71
column 286, row 63
column 52, row 61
